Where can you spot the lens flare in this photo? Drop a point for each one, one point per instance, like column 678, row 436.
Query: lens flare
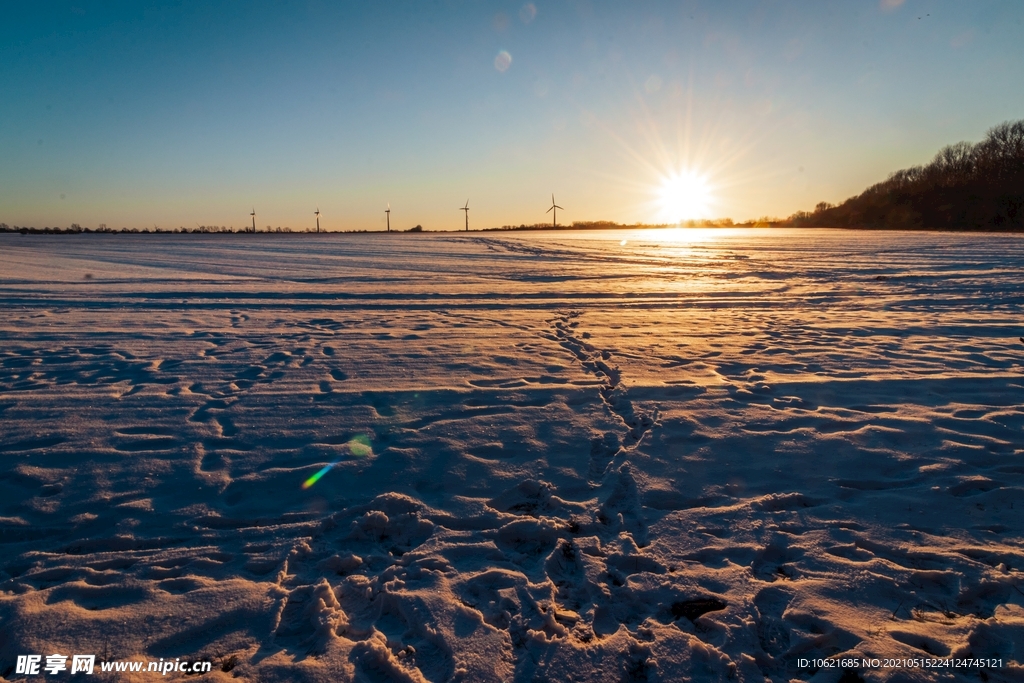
column 316, row 477
column 359, row 446
column 684, row 196
column 503, row 61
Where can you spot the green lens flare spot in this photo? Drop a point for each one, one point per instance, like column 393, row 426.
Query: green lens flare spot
column 359, row 446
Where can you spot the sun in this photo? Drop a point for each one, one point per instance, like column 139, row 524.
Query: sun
column 684, row 196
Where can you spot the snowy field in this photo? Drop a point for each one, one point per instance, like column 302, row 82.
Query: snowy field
column 635, row 456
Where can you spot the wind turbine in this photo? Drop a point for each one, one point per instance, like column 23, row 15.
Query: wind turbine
column 387, row 212
column 253, row 214
column 466, row 209
column 554, row 216
column 317, row 213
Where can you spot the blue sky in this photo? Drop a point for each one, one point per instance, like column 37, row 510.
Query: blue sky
column 138, row 114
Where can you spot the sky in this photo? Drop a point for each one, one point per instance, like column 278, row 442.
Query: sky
column 177, row 114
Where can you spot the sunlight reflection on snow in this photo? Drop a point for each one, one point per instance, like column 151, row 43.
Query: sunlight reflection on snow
column 682, row 235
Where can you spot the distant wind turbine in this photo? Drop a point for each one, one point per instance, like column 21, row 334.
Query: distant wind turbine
column 466, row 209
column 387, row 212
column 253, row 214
column 554, row 208
column 317, row 212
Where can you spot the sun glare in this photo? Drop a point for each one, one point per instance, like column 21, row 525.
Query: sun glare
column 684, row 196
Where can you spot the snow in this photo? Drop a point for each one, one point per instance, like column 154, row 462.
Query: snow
column 606, row 456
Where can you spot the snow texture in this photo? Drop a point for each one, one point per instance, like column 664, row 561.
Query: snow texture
column 616, row 456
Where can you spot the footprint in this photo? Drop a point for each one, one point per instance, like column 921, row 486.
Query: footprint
column 491, row 451
column 160, row 443
column 695, row 608
column 772, row 634
column 622, row 508
column 145, row 431
column 98, row 597
column 527, row 540
column 210, row 460
column 972, row 486
column 775, row 560
column 498, row 383
column 527, row 498
column 602, row 450
column 311, row 616
column 226, row 425
column 33, row 444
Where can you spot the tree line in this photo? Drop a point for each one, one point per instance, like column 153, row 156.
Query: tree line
column 965, row 187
